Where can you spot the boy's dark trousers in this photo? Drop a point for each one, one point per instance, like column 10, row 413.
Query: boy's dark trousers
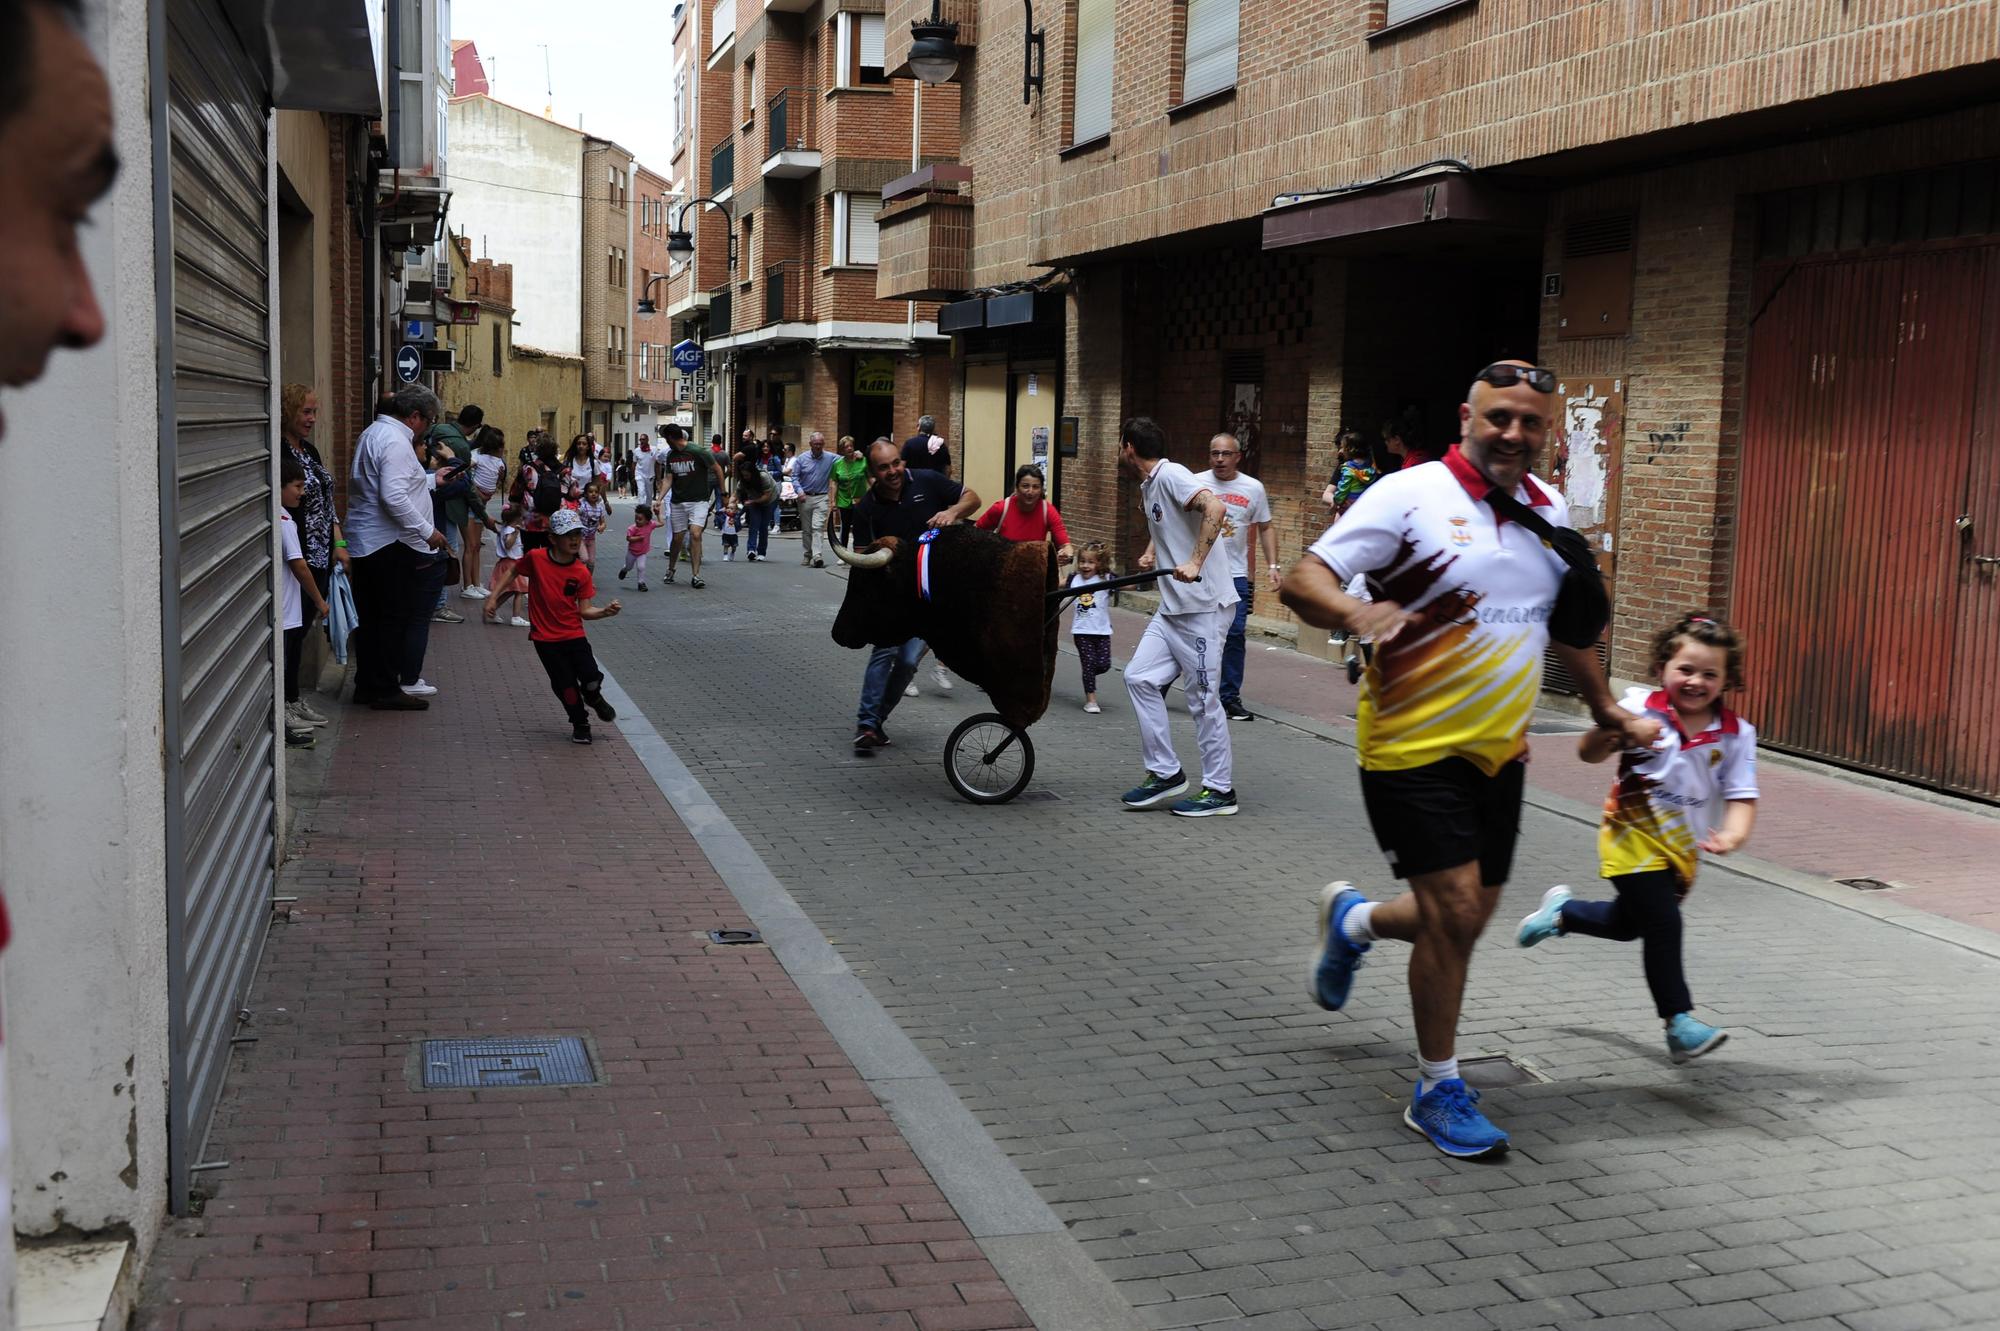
column 1648, row 908
column 572, row 672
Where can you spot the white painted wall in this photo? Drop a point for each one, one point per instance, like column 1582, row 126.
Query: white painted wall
column 82, row 808
column 516, row 189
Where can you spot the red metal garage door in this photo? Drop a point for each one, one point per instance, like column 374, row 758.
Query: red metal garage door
column 1868, row 501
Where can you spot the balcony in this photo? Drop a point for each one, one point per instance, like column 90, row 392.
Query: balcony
column 718, row 311
column 722, row 31
column 785, row 292
column 787, row 6
column 722, row 170
column 925, row 235
column 789, row 128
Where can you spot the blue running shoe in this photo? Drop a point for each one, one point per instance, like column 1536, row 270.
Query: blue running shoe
column 1334, row 964
column 1688, row 1039
column 1450, row 1117
column 1206, row 803
column 1155, row 791
column 1547, row 921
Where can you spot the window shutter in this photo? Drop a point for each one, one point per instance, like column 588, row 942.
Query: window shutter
column 863, row 240
column 1402, row 11
column 1210, row 63
column 1094, row 34
column 871, row 40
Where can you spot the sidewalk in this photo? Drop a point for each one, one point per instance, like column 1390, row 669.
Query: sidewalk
column 469, row 872
column 1812, row 820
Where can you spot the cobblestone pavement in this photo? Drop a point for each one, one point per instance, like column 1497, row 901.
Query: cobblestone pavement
column 1120, row 998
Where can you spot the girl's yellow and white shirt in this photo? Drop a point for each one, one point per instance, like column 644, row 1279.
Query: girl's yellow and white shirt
column 1463, row 682
column 1669, row 796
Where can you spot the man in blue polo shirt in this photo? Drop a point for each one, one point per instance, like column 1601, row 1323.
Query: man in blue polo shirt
column 903, row 504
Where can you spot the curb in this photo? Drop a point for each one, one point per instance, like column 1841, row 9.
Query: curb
column 1060, row 1287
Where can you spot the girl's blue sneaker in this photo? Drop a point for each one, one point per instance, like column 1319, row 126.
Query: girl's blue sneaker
column 1688, row 1039
column 1546, row 922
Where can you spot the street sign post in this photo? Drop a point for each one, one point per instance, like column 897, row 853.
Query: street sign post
column 409, row 363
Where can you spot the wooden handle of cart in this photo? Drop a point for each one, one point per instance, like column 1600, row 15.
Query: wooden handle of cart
column 1061, row 594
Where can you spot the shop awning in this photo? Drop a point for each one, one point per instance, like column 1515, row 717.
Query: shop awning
column 319, row 55
column 1411, row 213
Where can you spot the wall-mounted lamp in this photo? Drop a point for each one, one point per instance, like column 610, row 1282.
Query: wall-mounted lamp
column 934, row 51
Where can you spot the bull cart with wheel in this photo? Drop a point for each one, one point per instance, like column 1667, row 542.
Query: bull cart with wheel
column 990, row 609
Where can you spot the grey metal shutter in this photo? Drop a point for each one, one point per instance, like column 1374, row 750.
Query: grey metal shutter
column 1210, row 55
column 1096, row 42
column 217, row 523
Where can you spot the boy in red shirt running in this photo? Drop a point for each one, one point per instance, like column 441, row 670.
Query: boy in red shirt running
column 559, row 592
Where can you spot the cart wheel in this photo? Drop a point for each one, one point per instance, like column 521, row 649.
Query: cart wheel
column 987, row 760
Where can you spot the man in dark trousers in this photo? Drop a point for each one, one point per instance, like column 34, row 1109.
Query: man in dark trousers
column 900, row 503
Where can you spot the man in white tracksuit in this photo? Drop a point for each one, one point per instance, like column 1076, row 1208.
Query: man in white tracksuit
column 1184, row 641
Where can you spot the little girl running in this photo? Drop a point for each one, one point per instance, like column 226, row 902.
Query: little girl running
column 639, row 543
column 507, row 553
column 595, row 514
column 1693, row 790
column 1090, row 626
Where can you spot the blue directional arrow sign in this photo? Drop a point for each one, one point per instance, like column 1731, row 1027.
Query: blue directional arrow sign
column 687, row 356
column 409, row 363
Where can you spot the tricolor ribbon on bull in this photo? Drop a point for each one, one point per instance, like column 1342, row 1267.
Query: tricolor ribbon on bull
column 990, row 608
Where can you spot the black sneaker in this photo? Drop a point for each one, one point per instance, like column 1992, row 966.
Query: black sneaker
column 581, row 733
column 622, row 572
column 696, row 583
column 868, row 739
column 1353, row 670
column 298, row 739
column 819, row 563
column 1236, row 711
column 601, row 705
column 669, row 577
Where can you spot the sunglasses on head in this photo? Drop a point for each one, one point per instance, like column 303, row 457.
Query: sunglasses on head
column 1506, row 376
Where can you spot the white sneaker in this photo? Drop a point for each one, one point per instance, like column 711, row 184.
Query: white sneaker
column 518, row 622
column 297, row 718
column 421, row 689
column 474, row 593
column 312, row 717
column 940, row 677
column 1092, row 708
column 910, row 690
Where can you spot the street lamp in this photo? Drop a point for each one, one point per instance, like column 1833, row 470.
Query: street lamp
column 646, row 305
column 680, row 245
column 934, row 50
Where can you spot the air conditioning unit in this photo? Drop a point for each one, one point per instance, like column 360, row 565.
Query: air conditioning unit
column 442, row 275
column 419, row 280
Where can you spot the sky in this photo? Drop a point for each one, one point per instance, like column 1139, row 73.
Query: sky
column 611, row 62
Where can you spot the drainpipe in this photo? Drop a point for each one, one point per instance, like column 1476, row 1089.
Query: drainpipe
column 916, row 164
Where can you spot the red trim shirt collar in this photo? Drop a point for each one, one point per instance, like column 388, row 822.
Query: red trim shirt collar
column 1477, row 485
column 1725, row 720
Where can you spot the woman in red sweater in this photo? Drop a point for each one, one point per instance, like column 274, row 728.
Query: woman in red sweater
column 1025, row 516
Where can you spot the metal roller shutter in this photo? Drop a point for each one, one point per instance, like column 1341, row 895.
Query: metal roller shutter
column 218, row 608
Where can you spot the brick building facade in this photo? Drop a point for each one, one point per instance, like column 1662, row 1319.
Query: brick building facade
column 1366, row 214
column 787, row 118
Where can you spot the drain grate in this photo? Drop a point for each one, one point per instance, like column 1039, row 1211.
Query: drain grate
column 1491, row 1070
column 557, row 1060
column 1866, row 884
column 734, row 937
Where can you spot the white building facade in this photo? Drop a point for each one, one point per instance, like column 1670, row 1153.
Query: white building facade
column 517, row 192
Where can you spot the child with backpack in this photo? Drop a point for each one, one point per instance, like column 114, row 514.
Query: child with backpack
column 560, row 589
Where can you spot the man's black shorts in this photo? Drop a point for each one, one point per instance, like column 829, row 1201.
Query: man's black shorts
column 1445, row 814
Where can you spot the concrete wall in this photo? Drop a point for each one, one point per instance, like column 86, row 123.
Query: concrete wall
column 516, row 182
column 305, row 164
column 81, row 822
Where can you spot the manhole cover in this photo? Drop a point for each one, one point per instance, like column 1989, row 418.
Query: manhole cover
column 559, row 1060
column 1493, row 1070
column 733, row 937
column 1866, row 884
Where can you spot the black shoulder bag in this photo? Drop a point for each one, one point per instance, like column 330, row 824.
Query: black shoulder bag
column 1582, row 606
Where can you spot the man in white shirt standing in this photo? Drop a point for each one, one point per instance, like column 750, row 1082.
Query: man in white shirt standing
column 393, row 541
column 1246, row 522
column 1184, row 639
column 642, row 471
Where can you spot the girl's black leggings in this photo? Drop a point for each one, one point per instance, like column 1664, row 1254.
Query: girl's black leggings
column 1648, row 908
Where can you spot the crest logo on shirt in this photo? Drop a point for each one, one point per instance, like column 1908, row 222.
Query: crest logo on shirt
column 573, row 588
column 1461, row 532
column 1158, row 513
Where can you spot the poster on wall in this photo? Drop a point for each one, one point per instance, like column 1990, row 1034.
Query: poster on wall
column 875, row 376
column 1591, row 421
column 1243, row 413
column 1038, row 448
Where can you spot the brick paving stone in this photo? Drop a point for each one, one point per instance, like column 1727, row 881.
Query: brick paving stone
column 468, row 871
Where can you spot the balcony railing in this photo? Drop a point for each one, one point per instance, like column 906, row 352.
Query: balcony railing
column 722, row 24
column 722, row 166
column 784, row 292
column 789, row 117
column 718, row 311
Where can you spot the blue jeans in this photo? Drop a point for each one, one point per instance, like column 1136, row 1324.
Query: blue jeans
column 758, row 527
column 1232, row 647
column 890, row 670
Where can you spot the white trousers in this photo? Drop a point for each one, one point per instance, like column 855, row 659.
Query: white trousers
column 1188, row 648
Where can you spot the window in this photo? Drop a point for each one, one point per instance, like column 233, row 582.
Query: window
column 858, row 41
column 614, row 266
column 855, row 239
column 498, row 360
column 680, row 108
column 1209, row 59
column 1090, row 114
column 614, row 344
column 616, row 193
